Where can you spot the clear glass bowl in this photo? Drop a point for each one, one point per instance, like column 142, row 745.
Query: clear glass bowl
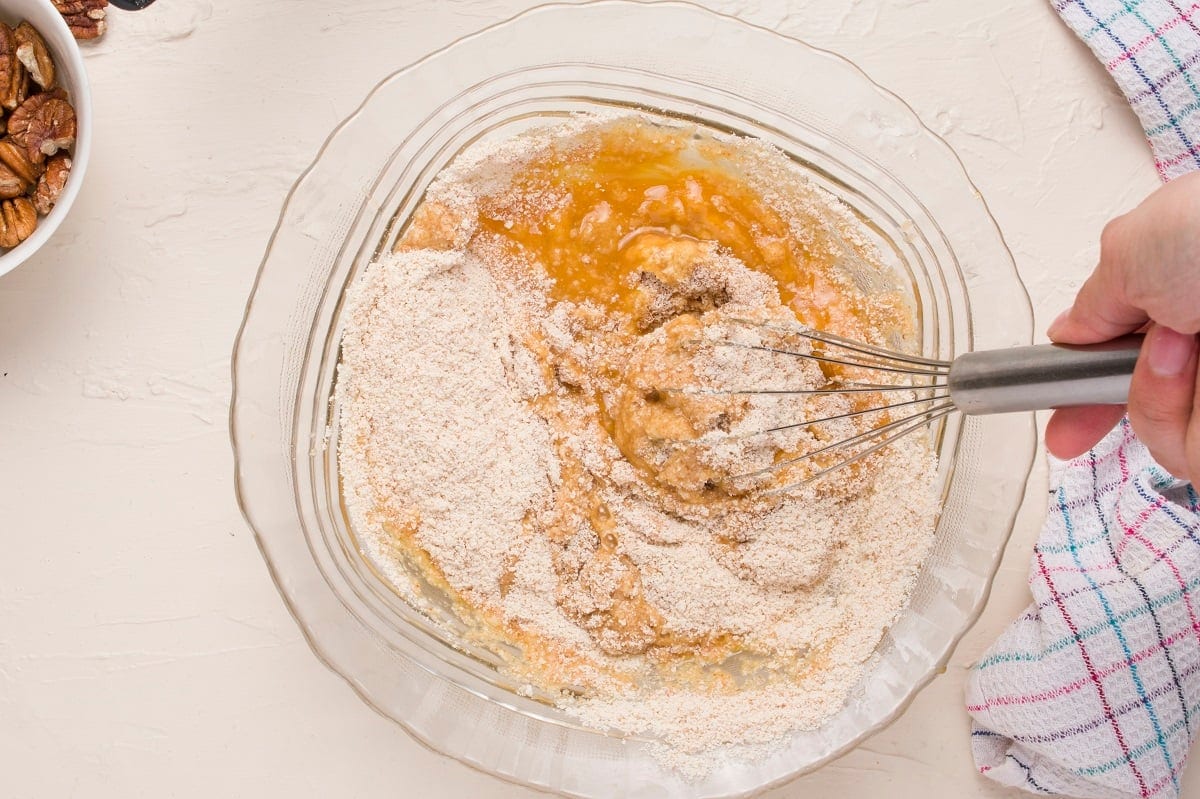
column 856, row 140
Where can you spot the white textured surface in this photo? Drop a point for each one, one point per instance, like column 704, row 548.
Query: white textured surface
column 143, row 649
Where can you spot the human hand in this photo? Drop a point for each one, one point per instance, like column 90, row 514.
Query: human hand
column 1148, row 277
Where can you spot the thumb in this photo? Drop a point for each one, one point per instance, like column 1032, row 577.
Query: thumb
column 1102, row 310
column 1162, row 396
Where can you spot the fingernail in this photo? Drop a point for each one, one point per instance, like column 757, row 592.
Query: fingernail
column 1058, row 323
column 1169, row 352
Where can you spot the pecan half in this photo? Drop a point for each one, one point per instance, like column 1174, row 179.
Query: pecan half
column 13, row 156
column 85, row 18
column 14, row 80
column 11, row 184
column 79, row 6
column 20, row 89
column 52, row 182
column 43, row 125
column 33, row 53
column 18, row 220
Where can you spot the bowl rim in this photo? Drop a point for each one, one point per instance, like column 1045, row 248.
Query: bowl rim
column 1008, row 520
column 81, row 101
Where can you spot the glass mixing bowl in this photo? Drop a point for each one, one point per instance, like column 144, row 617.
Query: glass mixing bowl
column 855, row 139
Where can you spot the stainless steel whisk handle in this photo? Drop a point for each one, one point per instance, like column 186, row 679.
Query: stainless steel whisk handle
column 1044, row 376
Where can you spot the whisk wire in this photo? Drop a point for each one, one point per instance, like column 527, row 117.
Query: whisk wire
column 883, row 366
column 924, row 380
column 849, row 388
column 913, row 427
column 867, row 435
column 847, row 415
column 848, row 344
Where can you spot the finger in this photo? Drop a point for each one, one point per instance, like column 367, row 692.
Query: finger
column 1073, row 431
column 1102, row 309
column 1192, row 442
column 1162, row 396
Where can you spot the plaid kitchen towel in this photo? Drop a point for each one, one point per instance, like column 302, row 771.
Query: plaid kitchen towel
column 1095, row 690
column 1152, row 50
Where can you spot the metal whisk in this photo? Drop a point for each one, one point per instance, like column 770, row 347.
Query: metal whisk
column 991, row 381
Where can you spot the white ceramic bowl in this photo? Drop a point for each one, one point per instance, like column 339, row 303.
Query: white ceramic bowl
column 68, row 63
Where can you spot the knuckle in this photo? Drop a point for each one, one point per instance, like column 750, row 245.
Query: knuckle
column 1112, row 235
column 1157, row 417
column 1155, row 412
column 1114, row 274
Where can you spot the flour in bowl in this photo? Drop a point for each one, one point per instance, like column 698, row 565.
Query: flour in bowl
column 539, row 413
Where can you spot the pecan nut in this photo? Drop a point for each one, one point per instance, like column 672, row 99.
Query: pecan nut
column 34, row 55
column 14, row 156
column 18, row 220
column 85, row 18
column 14, row 80
column 19, row 91
column 11, row 184
column 43, row 125
column 18, row 174
column 79, row 6
column 50, row 185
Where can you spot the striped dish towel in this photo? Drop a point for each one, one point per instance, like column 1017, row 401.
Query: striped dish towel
column 1095, row 690
column 1152, row 50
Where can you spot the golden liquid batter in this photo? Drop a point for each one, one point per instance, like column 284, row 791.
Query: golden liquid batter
column 642, row 200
